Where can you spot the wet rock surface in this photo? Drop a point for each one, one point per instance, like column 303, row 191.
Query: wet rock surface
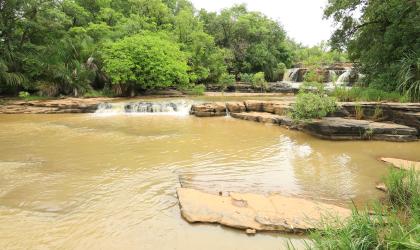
column 256, row 212
column 208, row 109
column 402, row 164
column 57, row 106
column 336, row 128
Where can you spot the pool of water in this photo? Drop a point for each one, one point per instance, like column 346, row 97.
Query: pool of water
column 86, row 181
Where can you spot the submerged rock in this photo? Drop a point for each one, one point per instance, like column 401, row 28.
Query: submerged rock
column 257, row 212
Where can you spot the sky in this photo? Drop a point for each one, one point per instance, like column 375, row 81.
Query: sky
column 302, row 19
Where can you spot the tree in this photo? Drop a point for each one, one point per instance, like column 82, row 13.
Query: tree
column 379, row 39
column 145, row 61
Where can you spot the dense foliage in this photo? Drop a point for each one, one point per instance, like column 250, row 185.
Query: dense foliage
column 75, row 47
column 383, row 37
column 312, row 103
column 146, row 62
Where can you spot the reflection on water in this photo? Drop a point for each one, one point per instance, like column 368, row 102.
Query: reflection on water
column 86, row 181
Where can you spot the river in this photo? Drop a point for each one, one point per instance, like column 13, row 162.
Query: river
column 94, row 181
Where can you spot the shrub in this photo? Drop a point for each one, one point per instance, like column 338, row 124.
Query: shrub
column 23, row 94
column 198, row 89
column 258, row 81
column 246, row 78
column 312, row 106
column 312, row 76
column 280, row 70
column 226, row 80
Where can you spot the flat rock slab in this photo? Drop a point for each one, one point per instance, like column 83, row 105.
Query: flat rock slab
column 264, row 117
column 402, row 164
column 55, row 106
column 336, row 128
column 257, row 212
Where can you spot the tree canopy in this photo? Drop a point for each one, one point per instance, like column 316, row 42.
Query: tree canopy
column 383, row 38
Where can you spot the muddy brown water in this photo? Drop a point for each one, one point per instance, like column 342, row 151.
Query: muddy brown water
column 83, row 181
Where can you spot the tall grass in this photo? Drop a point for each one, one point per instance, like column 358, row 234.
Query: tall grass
column 394, row 225
column 367, row 94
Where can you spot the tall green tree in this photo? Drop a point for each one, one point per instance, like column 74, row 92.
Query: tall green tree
column 379, row 35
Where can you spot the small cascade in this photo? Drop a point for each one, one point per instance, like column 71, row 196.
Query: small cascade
column 160, row 107
column 291, row 75
column 332, row 76
column 344, row 78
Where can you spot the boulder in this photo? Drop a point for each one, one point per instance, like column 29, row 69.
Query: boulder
column 208, row 109
column 336, row 128
column 235, row 107
column 257, row 212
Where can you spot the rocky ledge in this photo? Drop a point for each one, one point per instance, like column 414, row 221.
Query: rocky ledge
column 399, row 122
column 255, row 212
column 56, row 106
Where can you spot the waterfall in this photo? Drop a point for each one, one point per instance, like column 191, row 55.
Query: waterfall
column 331, row 76
column 291, row 75
column 180, row 108
column 344, row 78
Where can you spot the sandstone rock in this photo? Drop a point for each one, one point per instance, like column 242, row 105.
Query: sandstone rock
column 56, row 106
column 235, row 107
column 382, row 187
column 257, row 117
column 208, row 109
column 402, row 164
column 335, row 128
column 250, row 231
column 274, row 107
column 257, row 212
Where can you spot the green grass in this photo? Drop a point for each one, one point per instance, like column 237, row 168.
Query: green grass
column 367, row 94
column 394, row 225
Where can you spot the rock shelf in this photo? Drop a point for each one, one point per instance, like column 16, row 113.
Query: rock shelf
column 402, row 164
column 56, row 106
column 399, row 122
column 251, row 212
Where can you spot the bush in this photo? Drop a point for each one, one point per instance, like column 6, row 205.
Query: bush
column 226, row 80
column 23, row 94
column 312, row 76
column 312, row 106
column 279, row 72
column 196, row 90
column 258, row 81
column 246, row 78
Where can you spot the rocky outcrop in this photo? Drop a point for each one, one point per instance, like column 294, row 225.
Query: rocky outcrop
column 336, row 128
column 400, row 113
column 264, row 117
column 255, row 212
column 57, row 106
column 208, row 109
column 235, row 107
column 274, row 107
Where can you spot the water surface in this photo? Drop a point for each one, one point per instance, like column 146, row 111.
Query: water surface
column 88, row 181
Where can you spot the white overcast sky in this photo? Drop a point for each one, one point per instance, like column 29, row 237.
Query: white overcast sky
column 302, row 19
